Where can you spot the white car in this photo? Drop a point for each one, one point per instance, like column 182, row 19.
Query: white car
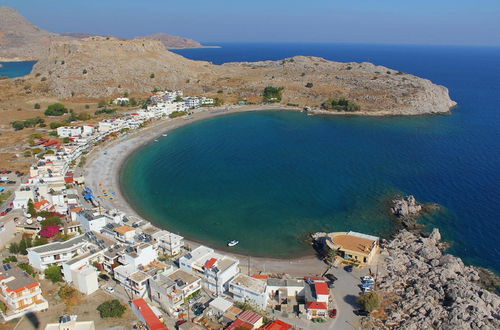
column 367, row 279
column 366, row 289
column 110, row 289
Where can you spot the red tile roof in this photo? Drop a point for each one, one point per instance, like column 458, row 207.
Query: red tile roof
column 239, row 324
column 250, row 317
column 277, row 325
column 210, row 263
column 152, row 321
column 260, row 277
column 321, row 288
column 314, row 278
column 316, row 305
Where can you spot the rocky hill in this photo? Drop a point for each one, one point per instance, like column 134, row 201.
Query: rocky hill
column 434, row 290
column 172, row 42
column 21, row 40
column 98, row 68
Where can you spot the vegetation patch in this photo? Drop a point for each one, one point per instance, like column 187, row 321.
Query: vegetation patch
column 340, row 104
column 56, row 109
column 53, row 274
column 272, row 94
column 370, row 301
column 111, row 308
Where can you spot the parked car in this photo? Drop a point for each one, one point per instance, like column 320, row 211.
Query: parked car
column 11, row 182
column 361, row 312
column 110, row 289
column 366, row 289
column 367, row 278
column 8, row 209
column 348, row 268
column 333, row 313
column 104, row 277
column 3, row 213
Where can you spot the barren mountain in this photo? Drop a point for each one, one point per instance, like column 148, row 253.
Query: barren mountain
column 100, row 68
column 21, row 40
column 172, row 42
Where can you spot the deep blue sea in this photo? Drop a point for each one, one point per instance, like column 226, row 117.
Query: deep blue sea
column 268, row 178
column 16, row 69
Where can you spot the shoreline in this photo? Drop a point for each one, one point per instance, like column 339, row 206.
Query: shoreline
column 106, row 169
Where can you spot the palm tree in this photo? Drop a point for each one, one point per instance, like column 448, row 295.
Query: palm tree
column 331, row 255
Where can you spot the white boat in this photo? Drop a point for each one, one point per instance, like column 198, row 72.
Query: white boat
column 164, row 134
column 232, row 243
column 156, row 140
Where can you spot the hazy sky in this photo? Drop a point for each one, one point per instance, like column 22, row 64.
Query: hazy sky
column 464, row 22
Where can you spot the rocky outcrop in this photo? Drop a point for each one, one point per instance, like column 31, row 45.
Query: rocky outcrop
column 434, row 290
column 406, row 207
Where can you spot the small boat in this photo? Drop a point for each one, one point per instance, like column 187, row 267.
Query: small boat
column 232, row 243
column 164, row 134
column 156, row 140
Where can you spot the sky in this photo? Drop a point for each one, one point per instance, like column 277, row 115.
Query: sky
column 441, row 22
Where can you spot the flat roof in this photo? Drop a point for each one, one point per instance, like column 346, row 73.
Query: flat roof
column 182, row 275
column 221, row 304
column 124, row 229
column 21, row 279
column 250, row 283
column 353, row 243
column 55, row 246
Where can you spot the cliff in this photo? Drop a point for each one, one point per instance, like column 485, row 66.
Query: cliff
column 100, row 68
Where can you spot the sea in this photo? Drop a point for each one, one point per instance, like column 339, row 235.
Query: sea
column 16, row 69
column 270, row 178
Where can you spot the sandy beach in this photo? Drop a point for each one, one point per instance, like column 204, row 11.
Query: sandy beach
column 103, row 169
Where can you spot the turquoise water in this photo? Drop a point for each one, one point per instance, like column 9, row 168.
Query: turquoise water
column 269, row 178
column 16, row 69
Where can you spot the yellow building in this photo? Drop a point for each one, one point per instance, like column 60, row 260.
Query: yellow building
column 354, row 246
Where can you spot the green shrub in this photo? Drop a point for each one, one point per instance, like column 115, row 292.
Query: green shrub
column 55, row 125
column 105, row 111
column 309, row 85
column 9, row 259
column 340, row 104
column 53, row 273
column 3, row 307
column 112, row 308
column 36, row 106
column 152, row 75
column 369, row 301
column 56, row 109
column 27, row 268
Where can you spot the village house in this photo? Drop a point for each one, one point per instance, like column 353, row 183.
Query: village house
column 20, row 292
column 69, row 322
column 250, row 290
column 69, row 131
column 147, row 315
column 217, row 269
column 170, row 291
column 317, row 295
column 357, row 247
column 92, row 221
column 56, row 253
column 170, row 243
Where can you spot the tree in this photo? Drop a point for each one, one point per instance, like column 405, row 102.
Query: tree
column 152, row 75
column 218, row 102
column 370, row 301
column 331, row 255
column 14, row 248
column 53, row 273
column 9, row 259
column 51, row 221
column 36, row 106
column 31, row 205
column 40, row 241
column 101, row 104
column 309, row 85
column 178, row 98
column 17, row 125
column 56, row 109
column 66, row 140
column 24, row 245
column 111, row 308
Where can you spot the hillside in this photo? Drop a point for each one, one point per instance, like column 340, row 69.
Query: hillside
column 20, row 39
column 99, row 68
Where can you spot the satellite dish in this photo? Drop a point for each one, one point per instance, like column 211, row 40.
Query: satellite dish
column 39, row 219
column 29, row 221
column 28, row 215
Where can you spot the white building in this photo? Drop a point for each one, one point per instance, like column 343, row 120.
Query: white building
column 57, row 253
column 170, row 290
column 81, row 274
column 69, row 322
column 170, row 243
column 92, row 221
column 22, row 196
column 20, row 292
column 121, row 100
column 248, row 289
column 69, row 131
